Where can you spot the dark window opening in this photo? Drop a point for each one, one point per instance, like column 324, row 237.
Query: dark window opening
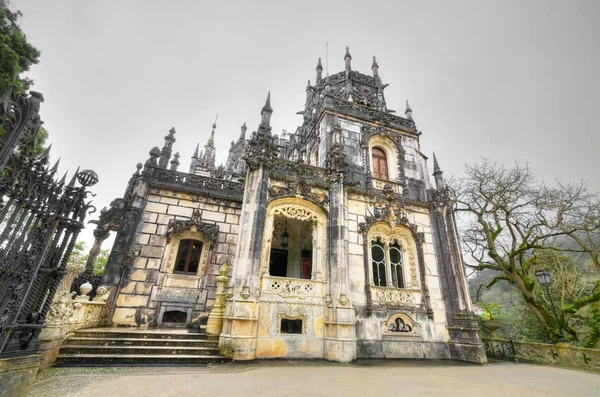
column 188, row 256
column 174, row 317
column 278, row 262
column 378, row 262
column 291, row 326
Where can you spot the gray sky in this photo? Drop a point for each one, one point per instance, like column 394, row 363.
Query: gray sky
column 507, row 80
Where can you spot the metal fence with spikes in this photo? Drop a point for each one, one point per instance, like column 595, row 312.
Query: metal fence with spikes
column 40, row 219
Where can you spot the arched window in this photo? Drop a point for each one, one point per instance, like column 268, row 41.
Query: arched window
column 380, row 168
column 378, row 262
column 188, row 256
column 396, row 265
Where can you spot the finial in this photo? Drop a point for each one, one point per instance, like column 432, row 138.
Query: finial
column 408, row 111
column 211, row 140
column 308, row 85
column 347, row 59
column 243, row 133
column 436, row 166
column 43, row 158
column 319, row 66
column 55, row 167
column 266, row 112
column 63, row 179
column 375, row 67
column 72, row 182
column 175, row 162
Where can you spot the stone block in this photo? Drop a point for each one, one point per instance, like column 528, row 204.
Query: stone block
column 129, row 288
column 164, row 219
column 161, row 229
column 181, row 211
column 142, row 238
column 221, row 248
column 223, row 227
column 143, row 288
column 231, row 239
column 213, row 216
column 153, row 264
column 169, row 200
column 149, row 217
column 158, row 240
column 188, row 203
column 125, row 300
column 230, row 218
column 234, row 229
column 156, row 207
column 139, row 263
column 153, row 197
column 209, row 207
column 152, row 252
column 138, row 275
column 124, row 316
column 147, row 228
column 17, row 374
column 355, row 249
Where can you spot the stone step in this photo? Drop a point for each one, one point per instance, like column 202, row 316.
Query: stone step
column 138, row 350
column 123, row 333
column 78, row 360
column 112, row 341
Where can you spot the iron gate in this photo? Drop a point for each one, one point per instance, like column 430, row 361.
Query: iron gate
column 40, row 219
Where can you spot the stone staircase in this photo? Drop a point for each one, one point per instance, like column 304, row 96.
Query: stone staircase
column 122, row 346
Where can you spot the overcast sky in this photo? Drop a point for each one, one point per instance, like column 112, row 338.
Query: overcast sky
column 506, row 80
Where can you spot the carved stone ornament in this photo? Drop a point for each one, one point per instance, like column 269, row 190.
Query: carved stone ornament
column 400, row 324
column 297, row 188
column 292, row 288
column 261, row 149
column 296, row 212
column 177, row 227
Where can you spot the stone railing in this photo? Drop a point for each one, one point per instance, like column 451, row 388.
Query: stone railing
column 395, row 297
column 285, row 168
column 379, row 184
column 561, row 354
column 291, row 288
column 190, row 183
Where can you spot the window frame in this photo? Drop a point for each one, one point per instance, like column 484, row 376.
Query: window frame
column 188, row 258
column 379, row 156
column 387, row 244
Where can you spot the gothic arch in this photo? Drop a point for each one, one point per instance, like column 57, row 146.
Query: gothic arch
column 403, row 236
column 391, row 151
column 304, row 210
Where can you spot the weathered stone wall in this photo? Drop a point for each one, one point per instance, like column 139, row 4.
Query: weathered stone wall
column 560, row 354
column 151, row 287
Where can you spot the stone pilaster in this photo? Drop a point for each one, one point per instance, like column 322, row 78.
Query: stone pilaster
column 239, row 336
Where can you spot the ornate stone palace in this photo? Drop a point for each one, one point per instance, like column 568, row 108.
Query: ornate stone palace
column 337, row 244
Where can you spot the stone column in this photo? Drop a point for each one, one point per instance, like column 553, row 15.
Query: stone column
column 240, row 326
column 215, row 318
column 340, row 329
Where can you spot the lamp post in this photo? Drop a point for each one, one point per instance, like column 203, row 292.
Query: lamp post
column 543, row 278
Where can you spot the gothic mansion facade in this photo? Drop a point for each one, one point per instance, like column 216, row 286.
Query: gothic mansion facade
column 337, row 244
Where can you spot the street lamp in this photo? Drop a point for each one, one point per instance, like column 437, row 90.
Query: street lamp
column 285, row 237
column 543, row 278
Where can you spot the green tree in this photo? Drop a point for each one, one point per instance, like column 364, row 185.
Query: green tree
column 16, row 56
column 16, row 53
column 516, row 225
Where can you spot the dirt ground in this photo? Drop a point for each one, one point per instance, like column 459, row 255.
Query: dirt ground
column 292, row 378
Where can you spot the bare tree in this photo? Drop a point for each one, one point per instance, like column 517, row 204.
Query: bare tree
column 511, row 219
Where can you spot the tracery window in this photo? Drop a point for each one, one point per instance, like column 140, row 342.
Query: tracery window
column 188, row 256
column 387, row 263
column 380, row 167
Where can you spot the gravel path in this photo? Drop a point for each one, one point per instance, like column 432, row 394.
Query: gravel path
column 292, row 378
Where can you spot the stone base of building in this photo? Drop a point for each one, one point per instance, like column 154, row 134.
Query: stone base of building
column 471, row 352
column 402, row 349
column 17, row 374
column 340, row 350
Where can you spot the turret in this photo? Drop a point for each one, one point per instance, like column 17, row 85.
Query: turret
column 165, row 153
column 319, row 80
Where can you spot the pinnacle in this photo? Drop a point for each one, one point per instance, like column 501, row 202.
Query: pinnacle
column 348, row 53
column 268, row 102
column 319, row 66
column 436, row 166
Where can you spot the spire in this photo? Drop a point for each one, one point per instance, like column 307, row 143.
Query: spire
column 44, row 157
column 72, row 182
column 308, row 85
column 243, row 133
column 408, row 111
column 436, row 166
column 437, row 174
column 375, row 68
column 195, row 155
column 54, row 168
column 266, row 112
column 347, row 59
column 319, row 73
column 194, row 161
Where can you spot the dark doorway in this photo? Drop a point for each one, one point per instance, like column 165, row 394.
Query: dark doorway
column 278, row 262
column 291, row 326
column 174, row 317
